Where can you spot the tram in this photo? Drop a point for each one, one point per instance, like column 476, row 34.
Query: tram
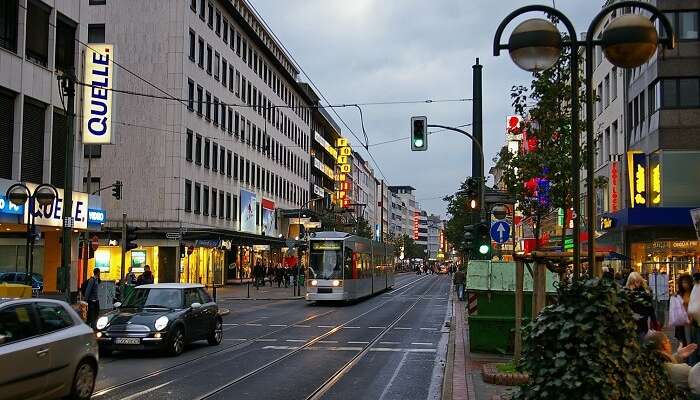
column 345, row 267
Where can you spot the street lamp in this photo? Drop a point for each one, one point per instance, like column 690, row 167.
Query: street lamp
column 628, row 41
column 19, row 194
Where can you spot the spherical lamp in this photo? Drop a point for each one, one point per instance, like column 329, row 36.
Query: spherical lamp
column 629, row 40
column 18, row 195
column 535, row 45
column 45, row 196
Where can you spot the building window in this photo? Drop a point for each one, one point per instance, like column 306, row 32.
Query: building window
column 229, row 156
column 245, row 50
column 8, row 24
column 202, row 9
column 225, row 31
column 207, row 100
column 65, row 44
column 231, row 82
column 213, row 202
column 222, row 160
column 224, row 71
column 205, row 201
column 228, row 206
column 210, row 15
column 243, row 90
column 688, row 92
column 216, row 111
column 188, row 195
column 200, row 101
column 230, row 121
column 206, row 152
column 221, row 204
column 197, row 198
column 190, row 94
column 606, row 90
column 198, row 150
column 193, row 5
column 214, row 161
column 188, row 145
column 223, row 116
column 235, row 166
column 688, row 25
column 218, row 23
column 200, row 60
column 217, row 64
column 37, row 38
column 209, row 59
column 193, row 45
column 238, row 43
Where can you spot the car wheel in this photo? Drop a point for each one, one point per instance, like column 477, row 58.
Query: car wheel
column 83, row 382
column 217, row 334
column 177, row 341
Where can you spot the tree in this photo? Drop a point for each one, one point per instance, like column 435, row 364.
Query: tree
column 362, row 228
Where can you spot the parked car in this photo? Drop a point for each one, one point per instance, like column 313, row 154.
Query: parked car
column 164, row 316
column 21, row 277
column 46, row 351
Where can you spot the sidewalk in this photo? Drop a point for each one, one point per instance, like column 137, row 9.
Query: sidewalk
column 247, row 291
column 463, row 379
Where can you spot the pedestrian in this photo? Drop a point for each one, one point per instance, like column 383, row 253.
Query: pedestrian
column 278, row 275
column 258, row 272
column 130, row 278
column 285, row 277
column 681, row 375
column 459, row 280
column 91, row 295
column 146, row 277
column 684, row 286
column 641, row 305
column 270, row 273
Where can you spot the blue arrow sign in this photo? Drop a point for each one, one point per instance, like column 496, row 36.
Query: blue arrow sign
column 500, row 231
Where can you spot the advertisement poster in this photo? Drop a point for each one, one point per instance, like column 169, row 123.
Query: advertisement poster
column 248, row 211
column 268, row 217
column 138, row 260
column 102, row 260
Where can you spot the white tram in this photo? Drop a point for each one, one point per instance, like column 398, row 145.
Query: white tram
column 346, row 267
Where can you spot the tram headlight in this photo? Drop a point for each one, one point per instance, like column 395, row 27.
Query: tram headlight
column 314, row 282
column 336, row 282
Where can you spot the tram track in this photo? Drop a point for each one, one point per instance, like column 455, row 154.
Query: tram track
column 110, row 389
column 319, row 391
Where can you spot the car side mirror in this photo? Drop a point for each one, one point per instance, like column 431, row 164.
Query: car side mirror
column 117, row 304
column 196, row 305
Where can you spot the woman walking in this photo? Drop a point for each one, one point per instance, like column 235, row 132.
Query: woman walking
column 641, row 304
column 684, row 286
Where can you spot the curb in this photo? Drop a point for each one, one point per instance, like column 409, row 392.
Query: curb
column 491, row 375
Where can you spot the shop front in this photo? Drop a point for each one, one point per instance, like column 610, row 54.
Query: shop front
column 204, row 261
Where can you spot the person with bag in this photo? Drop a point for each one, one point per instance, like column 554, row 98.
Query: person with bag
column 91, row 295
column 678, row 309
column 641, row 305
column 459, row 280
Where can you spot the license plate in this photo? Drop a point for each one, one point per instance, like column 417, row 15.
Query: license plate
column 127, row 340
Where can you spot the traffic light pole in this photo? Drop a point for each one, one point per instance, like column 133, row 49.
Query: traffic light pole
column 67, row 86
column 477, row 143
column 123, row 243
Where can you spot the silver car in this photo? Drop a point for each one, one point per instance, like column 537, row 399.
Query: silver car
column 46, row 351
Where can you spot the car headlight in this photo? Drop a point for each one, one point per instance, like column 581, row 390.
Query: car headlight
column 336, row 283
column 161, row 323
column 101, row 323
column 314, row 282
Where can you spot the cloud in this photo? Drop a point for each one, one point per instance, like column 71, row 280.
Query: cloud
column 378, row 50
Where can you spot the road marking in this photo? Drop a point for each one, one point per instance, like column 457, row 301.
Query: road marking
column 358, row 342
column 236, row 340
column 328, row 341
column 388, row 342
column 230, row 324
column 377, row 327
column 351, row 327
column 326, row 326
column 280, row 348
column 253, row 324
column 278, row 325
column 296, row 340
column 139, row 394
column 301, row 326
column 399, row 350
column 428, row 329
column 265, row 340
column 402, row 328
column 422, row 344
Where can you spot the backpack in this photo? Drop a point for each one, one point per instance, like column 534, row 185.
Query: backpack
column 83, row 287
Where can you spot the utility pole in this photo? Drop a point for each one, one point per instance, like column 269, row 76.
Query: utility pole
column 67, row 83
column 123, row 243
column 477, row 131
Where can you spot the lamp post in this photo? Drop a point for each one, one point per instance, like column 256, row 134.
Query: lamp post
column 628, row 41
column 19, row 194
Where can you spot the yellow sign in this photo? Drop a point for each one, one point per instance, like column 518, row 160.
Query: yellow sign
column 607, row 223
column 637, row 171
column 656, row 184
column 344, row 167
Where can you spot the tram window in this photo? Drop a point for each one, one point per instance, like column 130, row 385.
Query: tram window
column 348, row 263
column 326, row 262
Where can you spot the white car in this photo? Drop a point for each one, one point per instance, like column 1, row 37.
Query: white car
column 46, row 351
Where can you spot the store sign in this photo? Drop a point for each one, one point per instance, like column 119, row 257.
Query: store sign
column 654, row 180
column 6, row 207
column 325, row 145
column 324, row 168
column 326, row 245
column 318, row 191
column 513, row 124
column 614, row 187
column 343, row 169
column 607, row 223
column 97, row 94
column 96, row 216
column 52, row 215
column 248, row 212
column 637, row 164
column 416, row 222
column 261, row 247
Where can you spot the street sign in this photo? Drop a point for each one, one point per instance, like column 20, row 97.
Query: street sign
column 500, row 231
column 173, row 235
column 68, row 222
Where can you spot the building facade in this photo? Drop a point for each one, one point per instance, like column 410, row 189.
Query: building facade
column 214, row 159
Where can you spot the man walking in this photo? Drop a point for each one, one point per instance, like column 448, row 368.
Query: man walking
column 459, row 281
column 91, row 295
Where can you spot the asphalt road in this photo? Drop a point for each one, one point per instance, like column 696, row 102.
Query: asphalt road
column 390, row 346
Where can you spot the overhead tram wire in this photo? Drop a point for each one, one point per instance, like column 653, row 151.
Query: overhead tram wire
column 408, row 138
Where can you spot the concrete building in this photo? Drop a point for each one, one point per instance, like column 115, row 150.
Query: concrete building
column 216, row 168
column 39, row 41
column 325, row 132
column 435, row 232
column 384, row 205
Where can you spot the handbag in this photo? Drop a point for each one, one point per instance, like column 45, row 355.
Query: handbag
column 677, row 316
column 694, row 303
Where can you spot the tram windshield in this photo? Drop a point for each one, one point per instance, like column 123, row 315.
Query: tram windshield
column 326, row 260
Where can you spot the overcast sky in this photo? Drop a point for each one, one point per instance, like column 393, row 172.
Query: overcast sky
column 385, row 50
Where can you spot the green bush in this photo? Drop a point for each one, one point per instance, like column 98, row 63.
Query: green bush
column 584, row 347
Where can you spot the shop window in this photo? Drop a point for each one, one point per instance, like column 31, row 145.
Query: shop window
column 188, row 196
column 188, row 145
column 37, row 38
column 197, row 198
column 8, row 24
column 65, row 44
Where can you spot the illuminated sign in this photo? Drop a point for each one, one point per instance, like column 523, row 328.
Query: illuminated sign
column 637, row 166
column 138, row 260
column 654, row 180
column 343, row 168
column 607, row 223
column 324, row 168
column 416, row 221
column 326, row 245
column 614, row 187
column 96, row 216
column 513, row 124
column 325, row 145
column 97, row 94
column 6, row 207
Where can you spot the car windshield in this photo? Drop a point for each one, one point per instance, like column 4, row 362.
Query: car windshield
column 155, row 298
column 326, row 261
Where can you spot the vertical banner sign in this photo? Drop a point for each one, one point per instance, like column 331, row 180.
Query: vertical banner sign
column 654, row 180
column 97, row 94
column 637, row 166
column 268, row 216
column 248, row 212
column 344, row 168
column 614, row 187
column 416, row 220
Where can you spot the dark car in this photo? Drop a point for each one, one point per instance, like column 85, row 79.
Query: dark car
column 164, row 316
column 21, row 278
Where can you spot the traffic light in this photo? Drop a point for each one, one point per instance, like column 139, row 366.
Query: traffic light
column 419, row 133
column 130, row 237
column 482, row 243
column 472, row 193
column 117, row 190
